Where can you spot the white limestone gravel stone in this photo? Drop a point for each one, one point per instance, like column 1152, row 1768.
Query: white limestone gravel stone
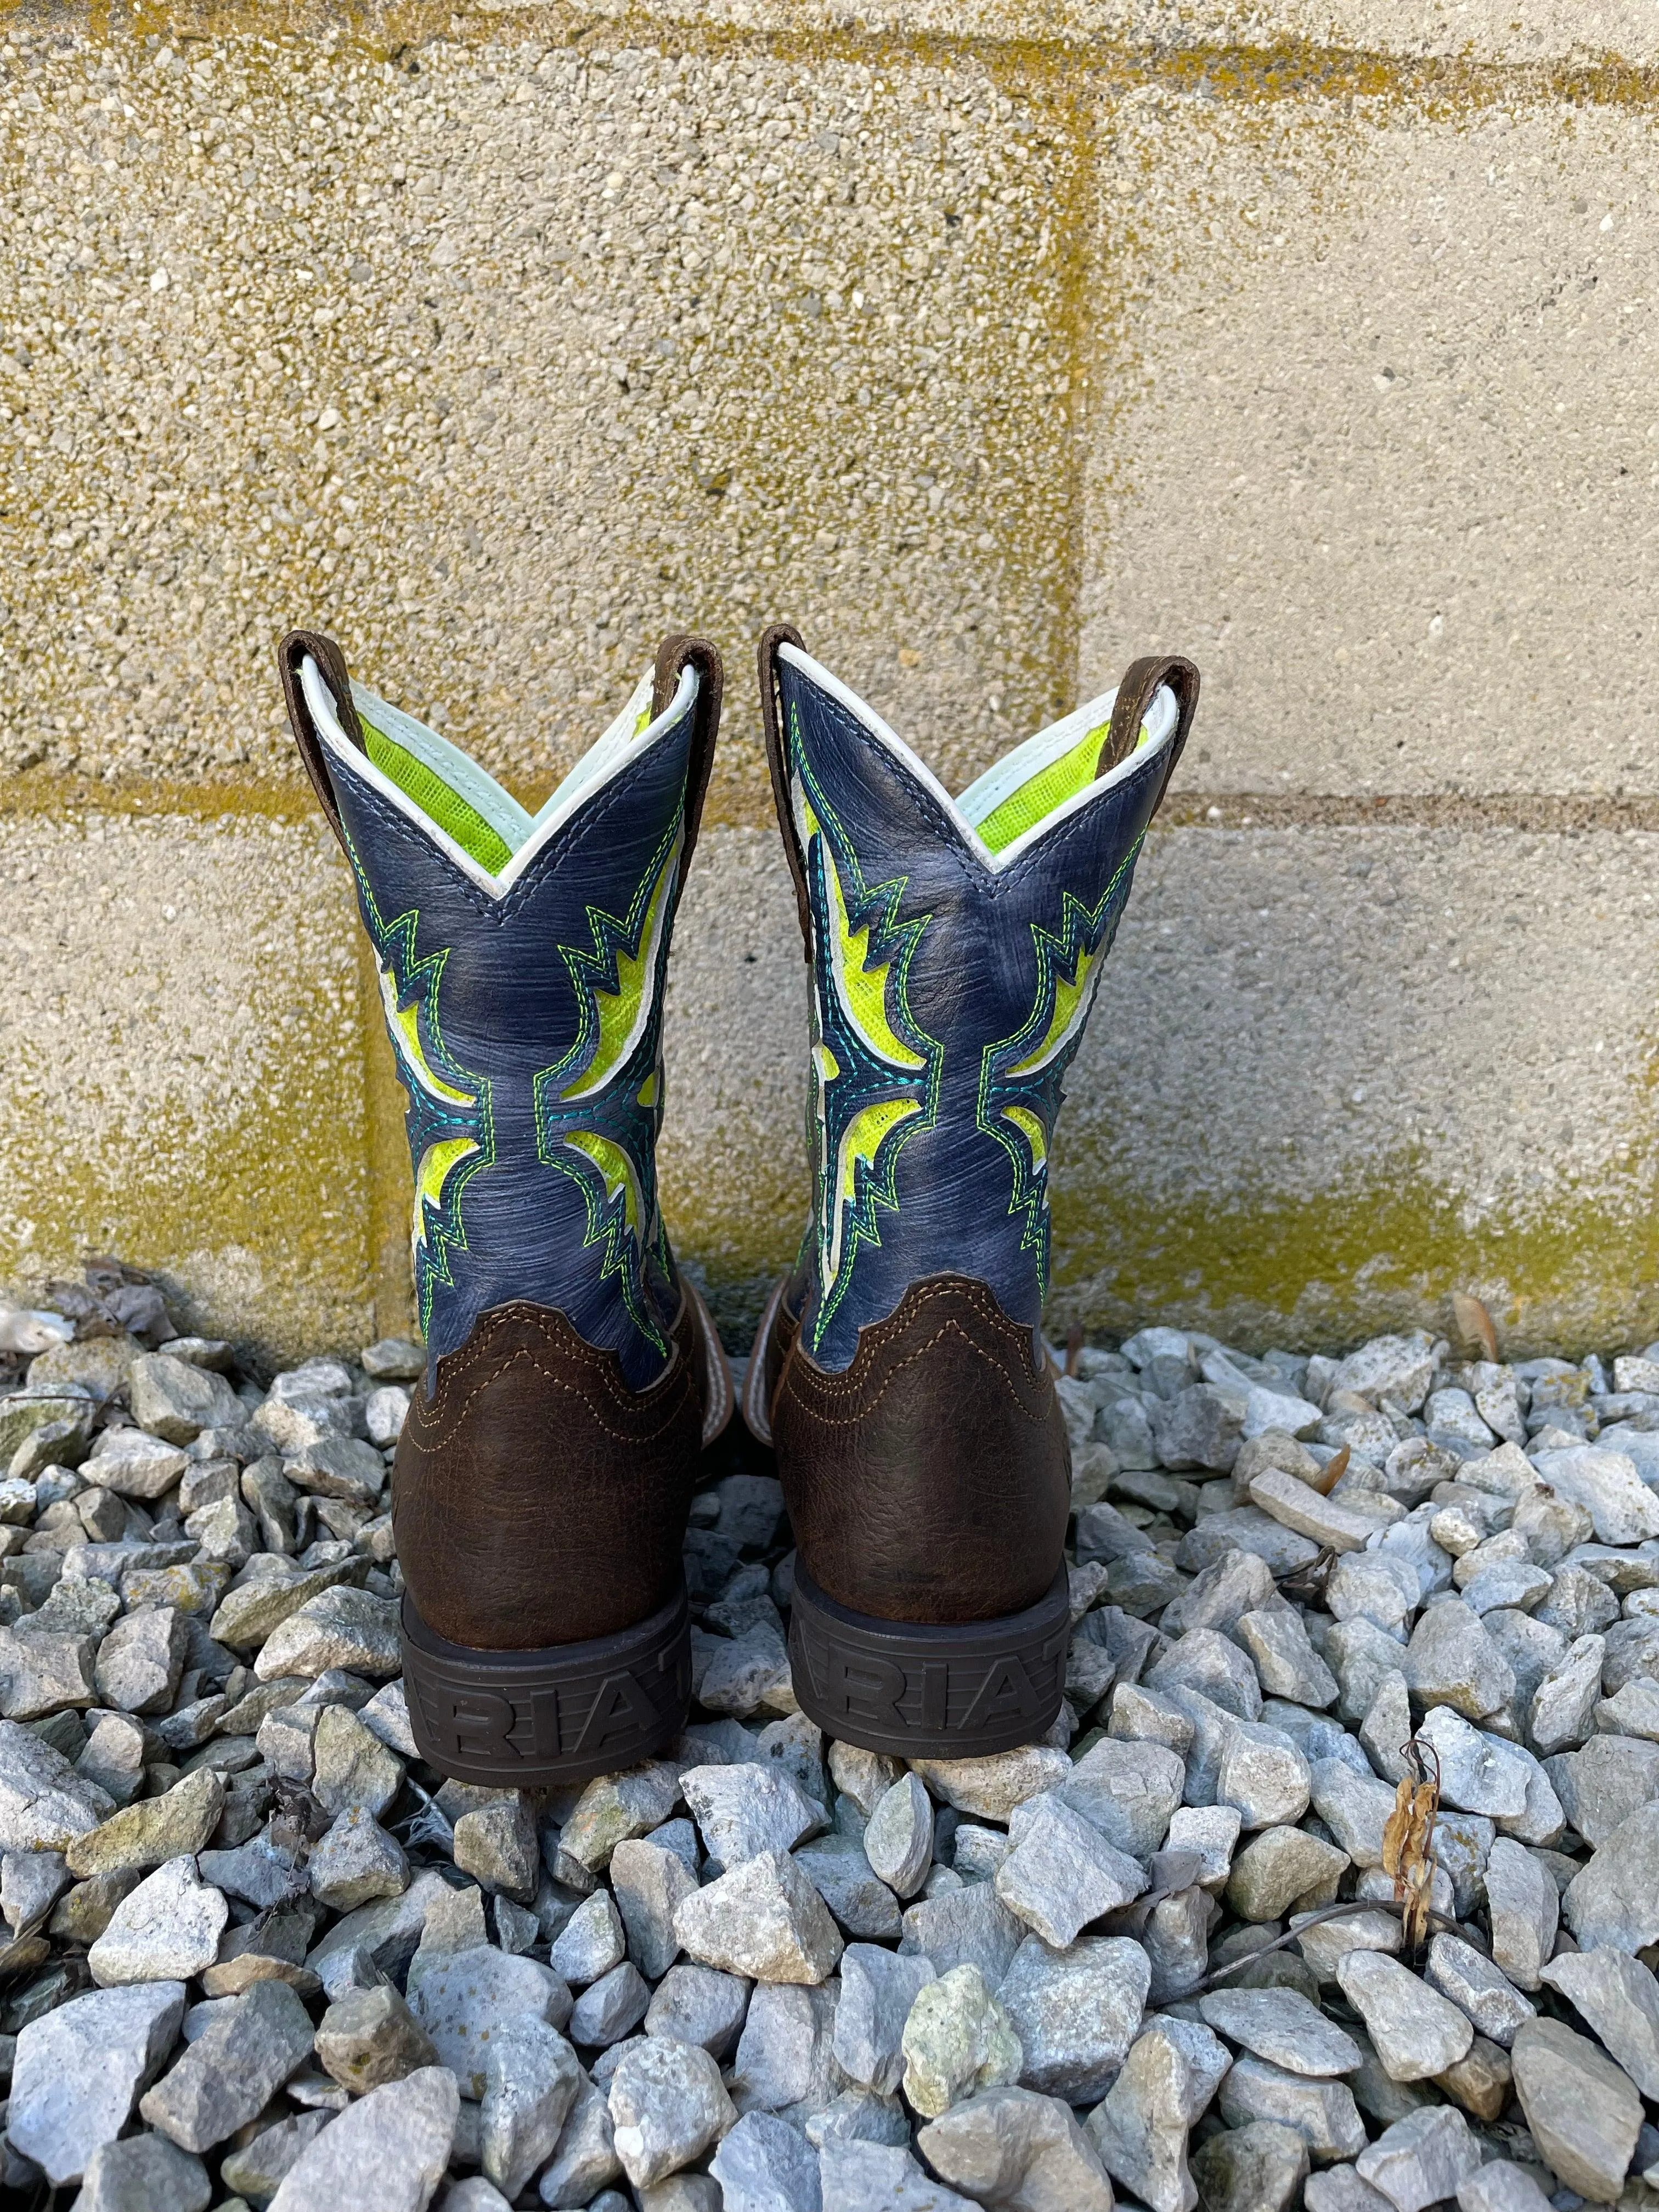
column 1278, row 1867
column 1617, row 1998
column 143, row 2174
column 1479, row 1773
column 765, row 2165
column 351, row 1765
column 1130, row 1790
column 1322, row 1943
column 1286, row 1664
column 867, row 2177
column 1421, row 2159
column 610, row 2008
column 1211, row 1665
column 700, row 2004
column 763, row 1919
column 1258, row 2167
column 45, row 1669
column 1584, row 2110
column 339, row 1627
column 1452, row 1660
column 989, row 1788
column 863, row 1776
column 1523, row 1908
column 958, row 2038
column 648, row 1882
column 744, row 1810
column 354, row 1862
column 1343, row 1524
column 530, row 2080
column 1606, row 1483
column 165, row 1930
column 1377, row 1586
column 77, row 2071
column 30, row 1882
column 616, row 1807
column 1212, row 1832
column 898, row 1842
column 1323, row 2111
column 1615, row 1901
column 133, row 1464
column 387, row 1930
column 590, row 1943
column 1263, row 1777
column 1354, row 1807
column 1280, row 2025
column 233, row 2068
column 387, row 1715
column 585, row 2159
column 389, row 2150
column 1014, row 2151
column 1477, row 1987
column 1075, row 2011
column 369, row 2036
column 860, row 1902
column 461, row 1998
column 141, row 1659
column 668, row 2105
column 877, row 1989
column 1501, row 2186
column 786, row 2060
column 1062, row 1873
column 1140, row 2128
column 44, row 1802
column 1417, row 2034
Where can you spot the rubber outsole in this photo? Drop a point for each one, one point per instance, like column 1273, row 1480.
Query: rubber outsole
column 528, row 1720
column 959, row 1691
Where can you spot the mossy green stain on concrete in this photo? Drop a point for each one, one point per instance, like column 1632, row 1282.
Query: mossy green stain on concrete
column 1384, row 1253
column 182, row 1071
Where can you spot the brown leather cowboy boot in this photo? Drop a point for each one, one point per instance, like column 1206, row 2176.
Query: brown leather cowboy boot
column 955, row 946
column 543, row 1477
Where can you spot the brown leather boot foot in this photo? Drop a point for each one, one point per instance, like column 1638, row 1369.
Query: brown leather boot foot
column 567, row 1712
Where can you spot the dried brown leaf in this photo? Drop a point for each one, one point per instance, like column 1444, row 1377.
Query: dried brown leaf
column 1408, row 1841
column 1473, row 1324
column 1332, row 1473
column 1073, row 1346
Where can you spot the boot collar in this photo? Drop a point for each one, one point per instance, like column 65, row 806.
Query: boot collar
column 965, row 813
column 617, row 748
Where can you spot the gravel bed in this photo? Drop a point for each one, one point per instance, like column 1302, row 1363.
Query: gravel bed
column 259, row 1953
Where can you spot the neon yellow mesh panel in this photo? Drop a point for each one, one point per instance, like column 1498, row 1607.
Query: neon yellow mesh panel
column 1049, row 787
column 453, row 814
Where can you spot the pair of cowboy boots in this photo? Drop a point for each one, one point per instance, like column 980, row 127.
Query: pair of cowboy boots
column 574, row 1377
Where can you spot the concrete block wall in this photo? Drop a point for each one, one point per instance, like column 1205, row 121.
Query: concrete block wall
column 991, row 342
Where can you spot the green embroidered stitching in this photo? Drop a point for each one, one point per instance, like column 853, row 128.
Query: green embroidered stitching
column 1084, row 937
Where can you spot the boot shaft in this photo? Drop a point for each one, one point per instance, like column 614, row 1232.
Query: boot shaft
column 956, row 949
column 522, row 963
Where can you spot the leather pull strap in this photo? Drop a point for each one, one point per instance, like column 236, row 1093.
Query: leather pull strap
column 772, row 719
column 674, row 655
column 1135, row 693
column 296, row 647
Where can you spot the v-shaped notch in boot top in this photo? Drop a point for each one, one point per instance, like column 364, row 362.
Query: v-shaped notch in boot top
column 1040, row 784
column 458, row 805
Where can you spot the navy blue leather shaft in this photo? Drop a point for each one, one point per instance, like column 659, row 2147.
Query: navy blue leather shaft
column 929, row 1120
column 498, row 1011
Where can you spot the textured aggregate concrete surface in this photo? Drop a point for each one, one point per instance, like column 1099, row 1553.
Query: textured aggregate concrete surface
column 992, row 345
column 1386, row 448
column 181, row 1067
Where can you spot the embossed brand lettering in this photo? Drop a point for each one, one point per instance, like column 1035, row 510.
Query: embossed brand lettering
column 479, row 1725
column 621, row 1711
column 1006, row 1690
